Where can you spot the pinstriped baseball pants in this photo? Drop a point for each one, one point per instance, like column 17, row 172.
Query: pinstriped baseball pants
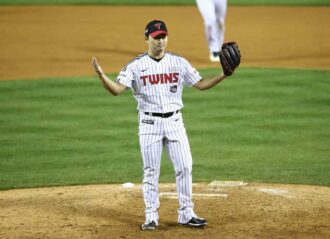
column 156, row 133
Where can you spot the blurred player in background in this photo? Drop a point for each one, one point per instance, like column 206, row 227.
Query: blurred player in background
column 213, row 13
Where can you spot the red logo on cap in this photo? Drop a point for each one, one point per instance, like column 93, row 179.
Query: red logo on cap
column 158, row 25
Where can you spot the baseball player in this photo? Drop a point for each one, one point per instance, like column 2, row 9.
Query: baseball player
column 213, row 13
column 157, row 78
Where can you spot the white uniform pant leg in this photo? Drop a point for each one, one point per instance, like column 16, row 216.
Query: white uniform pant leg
column 213, row 13
column 221, row 11
column 151, row 144
column 178, row 149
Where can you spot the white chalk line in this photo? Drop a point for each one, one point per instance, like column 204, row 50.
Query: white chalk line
column 174, row 195
column 273, row 191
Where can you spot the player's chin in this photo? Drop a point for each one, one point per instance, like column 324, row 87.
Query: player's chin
column 160, row 49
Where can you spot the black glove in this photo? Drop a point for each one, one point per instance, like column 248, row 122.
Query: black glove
column 230, row 57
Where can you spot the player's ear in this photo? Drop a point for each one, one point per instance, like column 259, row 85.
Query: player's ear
column 146, row 38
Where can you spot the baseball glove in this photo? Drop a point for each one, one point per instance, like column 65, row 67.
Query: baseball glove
column 230, row 57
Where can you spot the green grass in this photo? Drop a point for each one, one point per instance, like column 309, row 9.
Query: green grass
column 163, row 2
column 261, row 125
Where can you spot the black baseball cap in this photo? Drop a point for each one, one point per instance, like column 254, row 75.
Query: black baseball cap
column 155, row 28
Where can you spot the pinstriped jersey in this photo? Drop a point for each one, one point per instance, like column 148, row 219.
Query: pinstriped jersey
column 158, row 85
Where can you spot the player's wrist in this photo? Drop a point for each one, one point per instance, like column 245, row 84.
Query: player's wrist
column 101, row 74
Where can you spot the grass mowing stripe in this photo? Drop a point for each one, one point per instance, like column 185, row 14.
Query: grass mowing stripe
column 266, row 125
column 162, row 2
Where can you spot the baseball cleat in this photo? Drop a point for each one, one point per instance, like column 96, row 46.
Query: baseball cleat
column 196, row 222
column 148, row 226
column 214, row 57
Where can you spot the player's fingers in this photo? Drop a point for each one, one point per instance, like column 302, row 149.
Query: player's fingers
column 94, row 61
column 96, row 65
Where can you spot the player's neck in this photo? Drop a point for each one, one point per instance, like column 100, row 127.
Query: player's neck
column 156, row 54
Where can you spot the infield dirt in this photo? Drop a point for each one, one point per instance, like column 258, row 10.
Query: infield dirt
column 60, row 41
column 112, row 211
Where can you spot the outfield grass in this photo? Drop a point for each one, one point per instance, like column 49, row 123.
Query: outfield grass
column 164, row 2
column 261, row 125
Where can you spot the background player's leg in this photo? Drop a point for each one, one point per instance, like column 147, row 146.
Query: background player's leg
column 221, row 10
column 211, row 26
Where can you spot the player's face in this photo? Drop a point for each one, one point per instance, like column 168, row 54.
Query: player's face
column 157, row 44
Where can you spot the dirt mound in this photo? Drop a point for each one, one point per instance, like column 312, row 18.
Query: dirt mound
column 113, row 211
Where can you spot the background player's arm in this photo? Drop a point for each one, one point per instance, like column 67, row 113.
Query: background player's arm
column 205, row 84
column 113, row 87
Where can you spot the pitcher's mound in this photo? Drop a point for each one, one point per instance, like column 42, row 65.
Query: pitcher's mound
column 233, row 209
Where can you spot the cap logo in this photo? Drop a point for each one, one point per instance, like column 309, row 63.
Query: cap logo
column 157, row 25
